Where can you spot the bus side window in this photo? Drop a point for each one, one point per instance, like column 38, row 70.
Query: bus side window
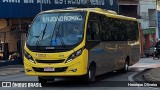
column 93, row 30
column 122, row 31
column 135, row 30
column 132, row 30
column 104, row 35
column 89, row 32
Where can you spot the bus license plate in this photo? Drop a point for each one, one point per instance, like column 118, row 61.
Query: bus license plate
column 49, row 69
column 41, row 55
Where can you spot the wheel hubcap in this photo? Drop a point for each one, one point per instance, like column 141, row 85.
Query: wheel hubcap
column 90, row 74
column 126, row 66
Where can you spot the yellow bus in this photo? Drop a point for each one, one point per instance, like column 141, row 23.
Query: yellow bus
column 80, row 42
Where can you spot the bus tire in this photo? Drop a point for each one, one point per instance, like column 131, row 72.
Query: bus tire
column 126, row 66
column 42, row 80
column 90, row 76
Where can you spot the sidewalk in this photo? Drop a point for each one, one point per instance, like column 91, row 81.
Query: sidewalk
column 153, row 75
column 11, row 69
column 14, row 62
column 152, row 67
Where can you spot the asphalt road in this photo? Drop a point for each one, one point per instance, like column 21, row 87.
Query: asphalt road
column 108, row 81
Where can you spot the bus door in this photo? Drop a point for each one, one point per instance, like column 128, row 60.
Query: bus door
column 95, row 44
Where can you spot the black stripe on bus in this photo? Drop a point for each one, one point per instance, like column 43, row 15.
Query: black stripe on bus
column 91, row 44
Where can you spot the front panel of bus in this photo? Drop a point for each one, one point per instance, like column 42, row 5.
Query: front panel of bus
column 55, row 45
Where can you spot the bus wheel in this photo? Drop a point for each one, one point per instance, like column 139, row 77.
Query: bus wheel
column 42, row 80
column 90, row 76
column 126, row 65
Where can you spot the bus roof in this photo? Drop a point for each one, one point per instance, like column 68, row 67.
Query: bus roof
column 108, row 13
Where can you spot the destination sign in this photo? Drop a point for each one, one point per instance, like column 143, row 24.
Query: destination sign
column 62, row 18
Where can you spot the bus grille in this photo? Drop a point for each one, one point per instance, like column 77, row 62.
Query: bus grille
column 50, row 61
column 61, row 69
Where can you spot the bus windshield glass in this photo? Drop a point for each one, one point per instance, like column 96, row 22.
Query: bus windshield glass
column 57, row 29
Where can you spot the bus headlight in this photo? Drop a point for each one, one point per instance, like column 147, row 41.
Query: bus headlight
column 28, row 56
column 74, row 55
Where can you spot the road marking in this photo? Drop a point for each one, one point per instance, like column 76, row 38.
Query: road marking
column 130, row 77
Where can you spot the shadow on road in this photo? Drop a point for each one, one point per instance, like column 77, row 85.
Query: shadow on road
column 100, row 81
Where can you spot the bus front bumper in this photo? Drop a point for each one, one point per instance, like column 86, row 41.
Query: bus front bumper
column 72, row 69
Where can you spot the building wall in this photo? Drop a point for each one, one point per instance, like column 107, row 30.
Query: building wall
column 144, row 6
column 7, row 36
column 3, row 23
column 128, row 7
column 3, row 29
column 159, row 23
column 12, row 39
column 148, row 13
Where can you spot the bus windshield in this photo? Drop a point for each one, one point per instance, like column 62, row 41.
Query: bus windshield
column 57, row 29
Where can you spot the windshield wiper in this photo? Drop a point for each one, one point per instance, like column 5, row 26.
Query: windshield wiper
column 57, row 35
column 43, row 33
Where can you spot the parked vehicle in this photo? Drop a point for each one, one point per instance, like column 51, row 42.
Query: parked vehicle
column 149, row 52
column 157, row 50
column 155, row 54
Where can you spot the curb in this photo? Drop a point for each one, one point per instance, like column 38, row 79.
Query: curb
column 140, row 75
column 149, row 76
column 11, row 71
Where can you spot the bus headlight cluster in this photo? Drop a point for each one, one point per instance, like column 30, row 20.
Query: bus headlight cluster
column 28, row 56
column 74, row 55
